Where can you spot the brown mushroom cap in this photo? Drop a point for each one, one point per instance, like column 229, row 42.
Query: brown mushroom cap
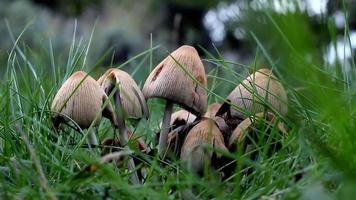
column 80, row 98
column 132, row 99
column 168, row 80
column 212, row 110
column 252, row 92
column 204, row 133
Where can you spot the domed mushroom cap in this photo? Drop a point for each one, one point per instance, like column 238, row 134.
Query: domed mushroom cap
column 170, row 81
column 132, row 99
column 80, row 98
column 253, row 92
column 204, row 133
column 212, row 110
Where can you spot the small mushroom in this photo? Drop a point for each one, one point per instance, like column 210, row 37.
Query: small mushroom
column 172, row 80
column 81, row 99
column 212, row 110
column 132, row 100
column 180, row 117
column 257, row 90
column 245, row 126
column 193, row 153
column 110, row 145
column 177, row 136
column 244, row 137
column 129, row 101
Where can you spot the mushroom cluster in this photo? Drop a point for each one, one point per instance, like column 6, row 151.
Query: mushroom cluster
column 197, row 134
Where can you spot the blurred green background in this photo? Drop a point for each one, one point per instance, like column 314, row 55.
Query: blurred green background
column 125, row 28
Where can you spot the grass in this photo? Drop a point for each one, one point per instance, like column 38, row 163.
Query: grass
column 316, row 160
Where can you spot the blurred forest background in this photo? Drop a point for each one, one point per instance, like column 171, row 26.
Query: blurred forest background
column 125, row 28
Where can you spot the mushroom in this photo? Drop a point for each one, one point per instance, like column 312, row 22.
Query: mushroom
column 245, row 136
column 212, row 110
column 256, row 91
column 180, row 117
column 81, row 99
column 133, row 102
column 108, row 143
column 179, row 120
column 193, row 154
column 129, row 102
column 179, row 78
column 245, row 126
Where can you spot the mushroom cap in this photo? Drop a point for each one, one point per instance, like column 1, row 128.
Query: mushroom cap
column 170, row 81
column 80, row 98
column 181, row 117
column 212, row 110
column 255, row 89
column 204, row 133
column 239, row 133
column 132, row 99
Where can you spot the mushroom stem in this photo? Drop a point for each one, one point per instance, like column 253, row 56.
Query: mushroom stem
column 123, row 135
column 123, row 132
column 163, row 136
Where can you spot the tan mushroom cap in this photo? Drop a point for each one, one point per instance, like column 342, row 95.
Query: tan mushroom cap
column 81, row 98
column 169, row 80
column 204, row 133
column 243, row 128
column 212, row 110
column 132, row 99
column 252, row 92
